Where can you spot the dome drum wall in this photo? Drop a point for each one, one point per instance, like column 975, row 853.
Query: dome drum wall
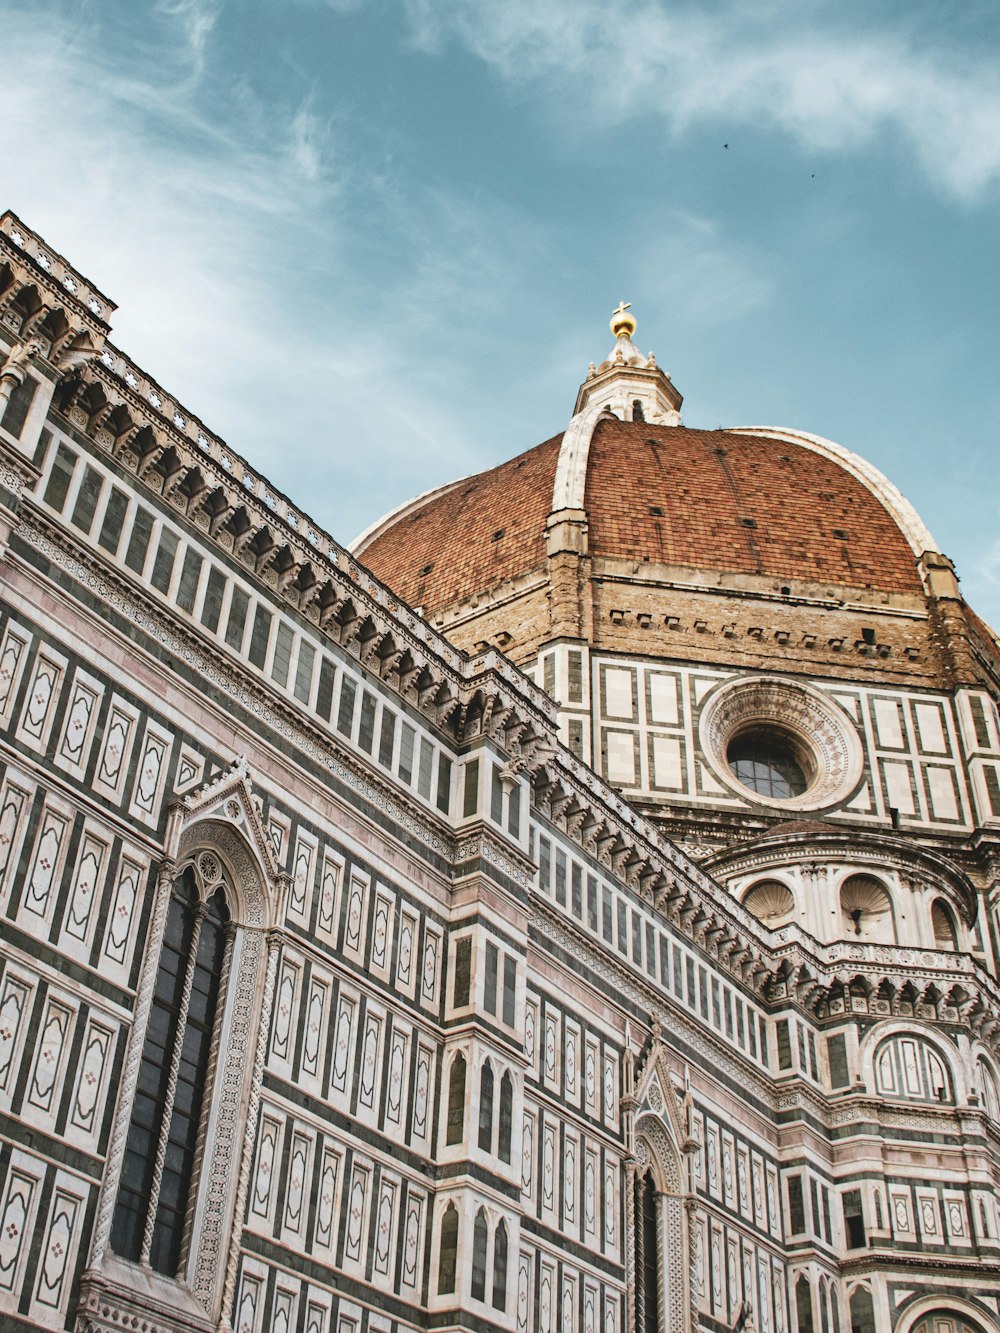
column 854, row 891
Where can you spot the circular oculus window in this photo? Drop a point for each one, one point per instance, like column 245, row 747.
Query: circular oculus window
column 777, row 742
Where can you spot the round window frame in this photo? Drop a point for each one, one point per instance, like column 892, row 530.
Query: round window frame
column 819, row 733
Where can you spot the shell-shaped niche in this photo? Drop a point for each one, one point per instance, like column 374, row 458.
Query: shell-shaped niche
column 866, row 910
column 771, row 902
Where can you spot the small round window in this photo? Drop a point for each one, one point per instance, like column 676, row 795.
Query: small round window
column 780, row 743
column 767, row 763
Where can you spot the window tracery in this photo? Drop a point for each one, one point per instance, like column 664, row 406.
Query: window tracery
column 179, row 1151
column 157, row 1173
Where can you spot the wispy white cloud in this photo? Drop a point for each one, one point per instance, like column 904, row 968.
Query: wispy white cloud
column 196, row 20
column 221, row 228
column 831, row 85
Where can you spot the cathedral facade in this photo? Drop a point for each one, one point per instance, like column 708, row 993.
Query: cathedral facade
column 572, row 908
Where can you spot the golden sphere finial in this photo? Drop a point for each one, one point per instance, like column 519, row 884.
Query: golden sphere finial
column 622, row 323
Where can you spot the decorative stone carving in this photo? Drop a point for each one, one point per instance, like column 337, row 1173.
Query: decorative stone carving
column 824, row 737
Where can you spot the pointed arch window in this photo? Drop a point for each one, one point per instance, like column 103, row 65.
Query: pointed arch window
column 803, row 1306
column 647, row 1235
column 500, row 1267
column 455, row 1127
column 486, row 1107
column 480, row 1238
column 506, row 1117
column 159, row 1163
column 448, row 1257
column 862, row 1310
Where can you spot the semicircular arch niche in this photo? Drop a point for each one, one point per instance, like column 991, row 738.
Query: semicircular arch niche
column 771, row 902
column 989, row 1089
column 945, row 1321
column 866, row 910
column 777, row 742
column 911, row 1070
column 943, row 925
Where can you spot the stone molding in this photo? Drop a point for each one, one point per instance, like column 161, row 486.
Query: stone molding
column 823, row 730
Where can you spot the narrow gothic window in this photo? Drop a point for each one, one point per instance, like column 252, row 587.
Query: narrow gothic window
column 803, row 1306
column 449, row 1251
column 162, row 1141
column 486, row 1107
column 506, row 1118
column 647, row 1315
column 862, row 1311
column 479, row 1239
column 455, row 1128
column 500, row 1268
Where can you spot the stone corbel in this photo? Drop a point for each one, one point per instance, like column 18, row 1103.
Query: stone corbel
column 15, row 368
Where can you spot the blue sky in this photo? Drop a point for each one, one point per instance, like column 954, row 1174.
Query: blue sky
column 375, row 243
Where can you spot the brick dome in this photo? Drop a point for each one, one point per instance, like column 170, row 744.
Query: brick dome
column 757, row 503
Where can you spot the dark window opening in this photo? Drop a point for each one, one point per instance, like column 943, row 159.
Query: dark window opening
column 492, row 973
column 486, row 1108
column 767, row 763
column 506, row 1118
column 509, row 989
column 259, row 637
column 647, row 1256
column 138, row 545
column 86, row 500
column 187, row 588
column 304, row 672
column 455, row 1126
column 148, row 1224
column 463, row 971
column 854, row 1222
column 18, row 405
column 803, row 1306
column 114, row 521
column 236, row 624
column 479, row 1241
column 500, row 1268
column 324, row 691
column 796, row 1207
column 163, row 565
column 448, row 1257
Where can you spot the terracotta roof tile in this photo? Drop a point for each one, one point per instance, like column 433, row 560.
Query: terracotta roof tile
column 488, row 528
column 697, row 498
column 740, row 503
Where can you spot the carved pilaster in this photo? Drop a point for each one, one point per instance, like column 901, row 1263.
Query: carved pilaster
column 630, row 1171
column 274, row 939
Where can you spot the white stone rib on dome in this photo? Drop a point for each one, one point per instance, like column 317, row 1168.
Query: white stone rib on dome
column 889, row 496
column 357, row 546
column 574, row 452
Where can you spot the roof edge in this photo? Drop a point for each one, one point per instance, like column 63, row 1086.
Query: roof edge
column 888, row 495
column 390, row 519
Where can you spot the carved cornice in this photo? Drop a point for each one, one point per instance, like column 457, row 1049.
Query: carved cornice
column 48, row 302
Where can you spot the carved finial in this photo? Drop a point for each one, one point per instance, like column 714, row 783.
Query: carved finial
column 622, row 323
